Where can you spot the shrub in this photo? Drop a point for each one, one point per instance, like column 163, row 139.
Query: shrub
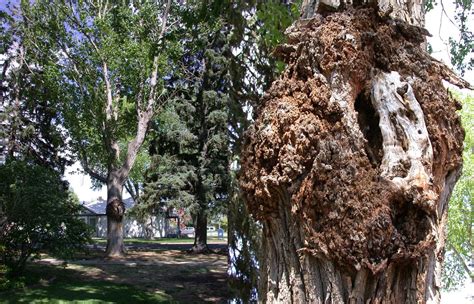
column 36, row 214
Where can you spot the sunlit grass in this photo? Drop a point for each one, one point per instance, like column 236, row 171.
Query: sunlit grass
column 56, row 284
column 83, row 292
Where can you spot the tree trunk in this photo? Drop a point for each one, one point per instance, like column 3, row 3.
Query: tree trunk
column 352, row 159
column 200, row 233
column 200, row 224
column 115, row 212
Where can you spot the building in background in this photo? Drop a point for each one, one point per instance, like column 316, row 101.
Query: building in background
column 93, row 213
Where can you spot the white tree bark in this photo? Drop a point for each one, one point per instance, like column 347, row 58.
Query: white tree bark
column 407, row 151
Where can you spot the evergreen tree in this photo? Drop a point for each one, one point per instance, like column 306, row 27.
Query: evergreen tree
column 257, row 28
column 190, row 151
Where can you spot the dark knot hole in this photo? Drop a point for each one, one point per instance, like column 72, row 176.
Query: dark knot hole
column 368, row 121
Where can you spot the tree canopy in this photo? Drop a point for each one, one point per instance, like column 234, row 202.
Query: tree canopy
column 99, row 60
column 461, row 208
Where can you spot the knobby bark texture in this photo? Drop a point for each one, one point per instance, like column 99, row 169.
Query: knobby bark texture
column 115, row 211
column 351, row 161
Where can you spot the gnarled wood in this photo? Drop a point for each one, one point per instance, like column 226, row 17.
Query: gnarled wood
column 115, row 211
column 350, row 164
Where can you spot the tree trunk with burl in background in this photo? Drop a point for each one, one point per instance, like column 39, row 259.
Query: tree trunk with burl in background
column 352, row 158
column 115, row 212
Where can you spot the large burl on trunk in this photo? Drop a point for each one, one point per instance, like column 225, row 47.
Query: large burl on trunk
column 351, row 161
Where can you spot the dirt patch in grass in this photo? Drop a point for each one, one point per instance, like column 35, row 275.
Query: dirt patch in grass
column 185, row 278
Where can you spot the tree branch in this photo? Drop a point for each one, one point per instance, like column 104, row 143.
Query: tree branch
column 165, row 19
column 461, row 259
column 108, row 92
column 133, row 189
column 110, row 116
column 90, row 171
column 144, row 117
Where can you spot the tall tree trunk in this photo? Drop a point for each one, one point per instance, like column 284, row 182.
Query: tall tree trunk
column 115, row 212
column 352, row 159
column 200, row 232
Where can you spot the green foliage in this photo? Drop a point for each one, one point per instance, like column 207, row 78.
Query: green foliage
column 36, row 214
column 244, row 248
column 461, row 49
column 461, row 208
column 28, row 111
column 190, row 149
column 273, row 18
column 86, row 47
column 429, row 5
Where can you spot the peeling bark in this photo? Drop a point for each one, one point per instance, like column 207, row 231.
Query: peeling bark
column 351, row 161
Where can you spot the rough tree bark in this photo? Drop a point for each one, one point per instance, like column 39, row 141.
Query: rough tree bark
column 200, row 218
column 200, row 233
column 352, row 159
column 115, row 211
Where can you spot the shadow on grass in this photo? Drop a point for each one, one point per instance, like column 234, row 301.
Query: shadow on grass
column 191, row 279
column 85, row 292
column 141, row 277
column 162, row 244
column 67, row 286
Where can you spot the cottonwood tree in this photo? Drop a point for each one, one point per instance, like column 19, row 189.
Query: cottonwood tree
column 352, row 159
column 28, row 110
column 108, row 60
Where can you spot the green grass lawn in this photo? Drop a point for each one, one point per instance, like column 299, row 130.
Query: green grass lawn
column 55, row 284
column 82, row 292
column 141, row 277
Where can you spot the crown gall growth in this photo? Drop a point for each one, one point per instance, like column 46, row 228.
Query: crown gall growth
column 348, row 144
